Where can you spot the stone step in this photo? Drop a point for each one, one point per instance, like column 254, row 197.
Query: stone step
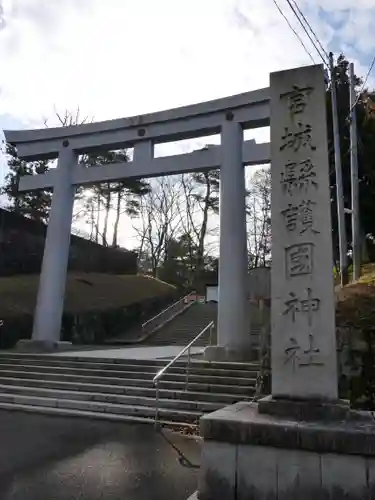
column 138, row 362
column 191, row 329
column 168, row 384
column 150, row 392
column 139, row 375
column 135, row 367
column 171, row 414
column 65, row 412
column 174, row 341
column 178, row 404
column 196, row 323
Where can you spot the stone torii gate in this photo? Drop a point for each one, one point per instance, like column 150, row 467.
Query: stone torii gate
column 228, row 117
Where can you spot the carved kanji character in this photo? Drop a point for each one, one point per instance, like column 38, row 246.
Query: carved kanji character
column 299, row 259
column 297, row 98
column 299, row 139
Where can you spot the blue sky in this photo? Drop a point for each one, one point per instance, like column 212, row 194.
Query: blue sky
column 118, row 58
column 123, row 57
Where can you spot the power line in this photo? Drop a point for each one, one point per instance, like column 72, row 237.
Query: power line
column 312, row 31
column 307, row 33
column 294, row 31
column 368, row 73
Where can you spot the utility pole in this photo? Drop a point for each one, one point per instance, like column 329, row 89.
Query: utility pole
column 339, row 188
column 356, row 243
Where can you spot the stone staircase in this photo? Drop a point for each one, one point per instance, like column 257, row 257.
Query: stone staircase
column 122, row 390
column 186, row 326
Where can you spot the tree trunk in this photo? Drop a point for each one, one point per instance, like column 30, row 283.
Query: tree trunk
column 97, row 225
column 203, row 231
column 106, row 217
column 117, row 221
column 92, row 221
column 364, row 250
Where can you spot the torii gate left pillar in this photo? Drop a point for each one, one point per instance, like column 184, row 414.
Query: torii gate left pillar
column 228, row 117
column 51, row 291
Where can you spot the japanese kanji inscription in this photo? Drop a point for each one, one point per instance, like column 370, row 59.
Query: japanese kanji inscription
column 303, row 332
column 297, row 98
column 297, row 138
column 298, row 176
column 307, row 305
column 300, row 357
column 300, row 217
column 299, row 259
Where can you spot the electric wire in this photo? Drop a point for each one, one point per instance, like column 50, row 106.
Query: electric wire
column 312, row 31
column 294, row 31
column 325, row 62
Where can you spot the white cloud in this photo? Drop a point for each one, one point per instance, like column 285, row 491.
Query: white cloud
column 122, row 57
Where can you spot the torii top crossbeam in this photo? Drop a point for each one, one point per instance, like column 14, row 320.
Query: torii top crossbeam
column 250, row 109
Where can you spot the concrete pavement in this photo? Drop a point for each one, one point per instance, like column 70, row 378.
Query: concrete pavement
column 73, row 458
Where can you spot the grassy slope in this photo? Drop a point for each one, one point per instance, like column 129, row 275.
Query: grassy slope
column 94, row 291
column 356, row 302
column 85, row 291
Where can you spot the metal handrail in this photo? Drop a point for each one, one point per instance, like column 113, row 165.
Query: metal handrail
column 167, row 309
column 163, row 371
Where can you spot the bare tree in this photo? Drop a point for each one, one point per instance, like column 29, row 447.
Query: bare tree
column 259, row 218
column 200, row 199
column 69, row 118
column 158, row 221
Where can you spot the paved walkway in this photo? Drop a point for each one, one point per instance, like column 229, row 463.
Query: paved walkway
column 53, row 458
column 163, row 352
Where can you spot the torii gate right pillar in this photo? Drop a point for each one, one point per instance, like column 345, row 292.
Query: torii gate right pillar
column 233, row 324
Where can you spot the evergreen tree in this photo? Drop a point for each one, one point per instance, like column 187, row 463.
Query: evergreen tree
column 366, row 154
column 35, row 204
column 121, row 196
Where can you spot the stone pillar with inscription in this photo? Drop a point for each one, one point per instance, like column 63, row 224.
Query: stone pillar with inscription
column 303, row 305
column 302, row 441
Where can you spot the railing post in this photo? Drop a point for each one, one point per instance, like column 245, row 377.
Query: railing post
column 187, row 371
column 211, row 328
column 157, row 404
column 161, row 373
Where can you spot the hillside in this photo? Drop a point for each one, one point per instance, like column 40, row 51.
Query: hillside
column 85, row 292
column 356, row 302
column 22, row 245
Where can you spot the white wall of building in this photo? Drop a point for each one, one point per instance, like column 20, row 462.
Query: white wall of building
column 258, row 285
column 212, row 293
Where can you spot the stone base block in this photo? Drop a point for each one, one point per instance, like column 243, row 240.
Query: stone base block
column 42, row 346
column 221, row 353
column 247, row 455
column 305, row 409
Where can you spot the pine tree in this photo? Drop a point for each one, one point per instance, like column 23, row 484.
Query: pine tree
column 36, row 204
column 366, row 154
column 121, row 196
